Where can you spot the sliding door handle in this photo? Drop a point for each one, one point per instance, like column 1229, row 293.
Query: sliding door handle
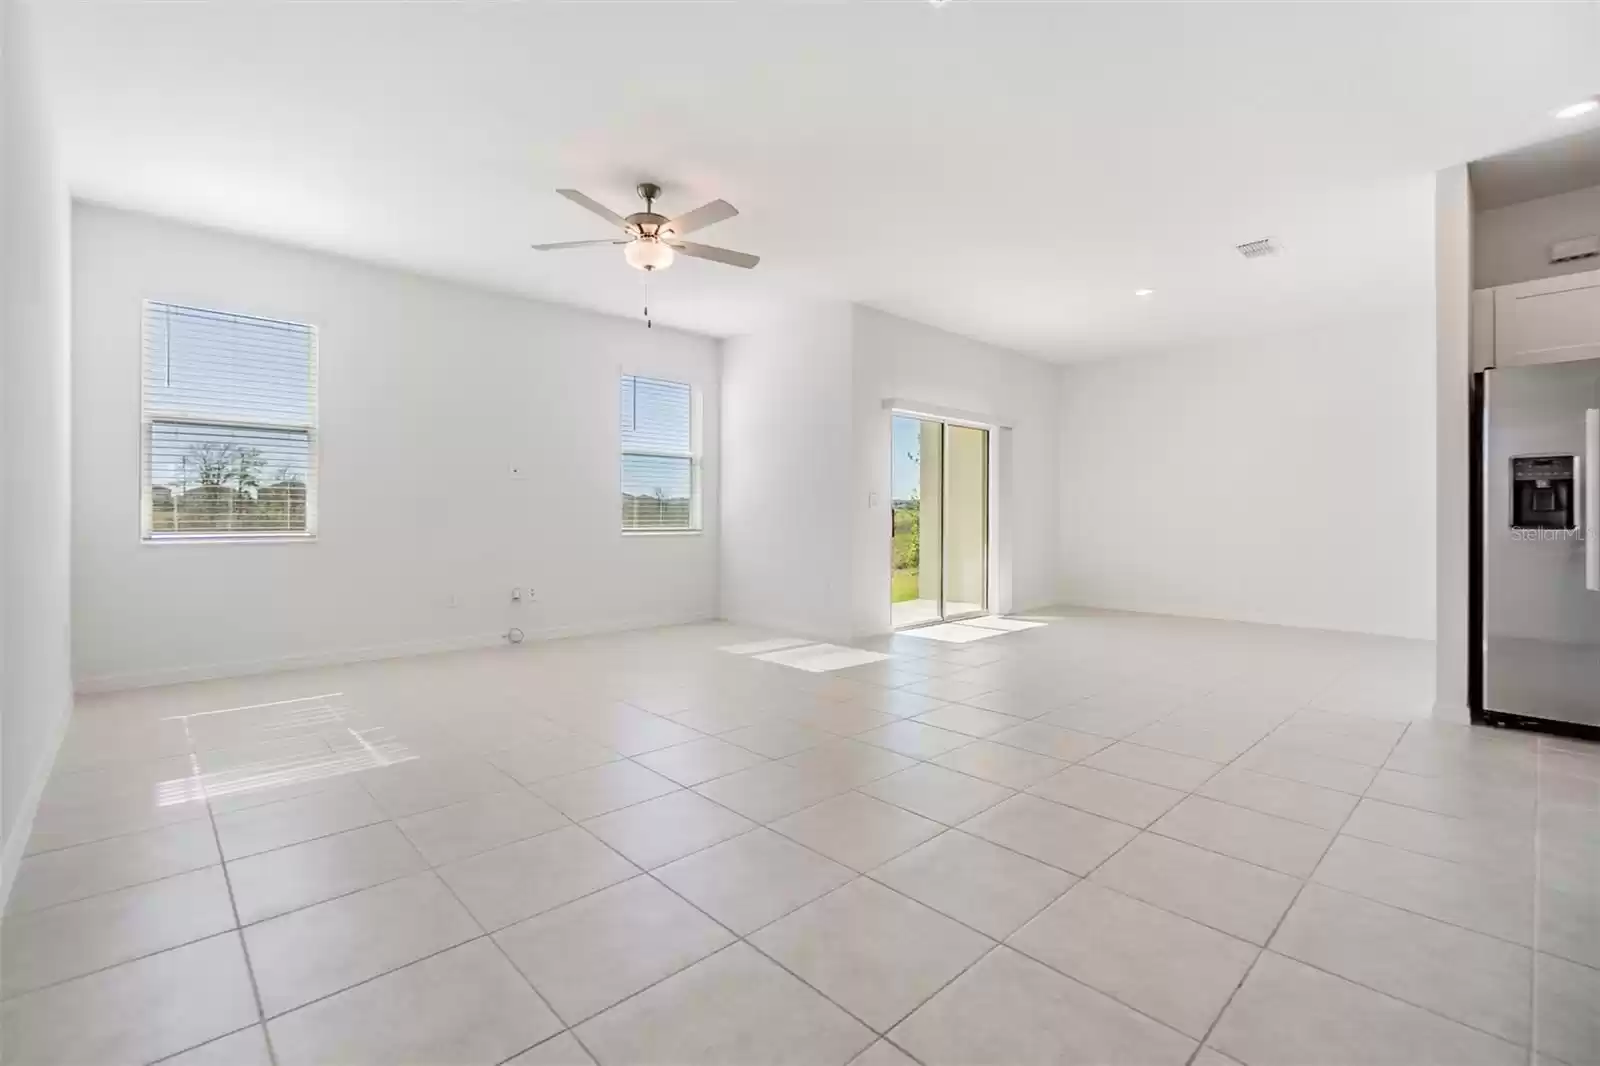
column 1591, row 501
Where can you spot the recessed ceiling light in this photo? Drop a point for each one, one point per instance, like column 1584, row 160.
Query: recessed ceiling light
column 1580, row 108
column 1144, row 292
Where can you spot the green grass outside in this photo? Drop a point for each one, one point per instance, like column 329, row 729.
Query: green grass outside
column 903, row 586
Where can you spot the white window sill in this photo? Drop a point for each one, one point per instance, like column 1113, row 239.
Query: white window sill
column 235, row 538
column 662, row 532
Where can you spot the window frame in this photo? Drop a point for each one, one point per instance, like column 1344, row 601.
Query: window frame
column 149, row 417
column 696, row 524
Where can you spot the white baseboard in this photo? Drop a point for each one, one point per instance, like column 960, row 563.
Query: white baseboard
column 1309, row 625
column 96, row 683
column 1452, row 712
column 22, row 828
column 618, row 625
column 245, row 668
column 782, row 624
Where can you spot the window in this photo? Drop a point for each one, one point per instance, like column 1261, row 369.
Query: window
column 660, row 471
column 229, row 423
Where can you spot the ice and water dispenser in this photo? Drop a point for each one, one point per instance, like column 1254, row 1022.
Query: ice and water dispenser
column 1544, row 492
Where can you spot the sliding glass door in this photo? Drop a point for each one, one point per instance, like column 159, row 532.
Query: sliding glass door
column 916, row 488
column 966, row 521
column 939, row 484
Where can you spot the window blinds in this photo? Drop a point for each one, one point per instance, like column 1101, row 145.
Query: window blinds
column 658, row 463
column 229, row 421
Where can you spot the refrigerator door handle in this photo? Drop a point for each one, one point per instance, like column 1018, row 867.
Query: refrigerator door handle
column 1591, row 504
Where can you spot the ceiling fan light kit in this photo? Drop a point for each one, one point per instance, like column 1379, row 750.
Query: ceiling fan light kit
column 649, row 253
column 653, row 240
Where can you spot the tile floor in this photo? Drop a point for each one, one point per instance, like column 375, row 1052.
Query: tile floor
column 1107, row 839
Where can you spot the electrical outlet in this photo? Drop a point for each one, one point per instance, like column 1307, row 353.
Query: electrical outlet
column 451, row 600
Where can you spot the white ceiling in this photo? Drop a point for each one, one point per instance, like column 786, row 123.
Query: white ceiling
column 1535, row 171
column 1010, row 171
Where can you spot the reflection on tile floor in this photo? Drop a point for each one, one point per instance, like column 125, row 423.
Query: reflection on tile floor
column 1103, row 839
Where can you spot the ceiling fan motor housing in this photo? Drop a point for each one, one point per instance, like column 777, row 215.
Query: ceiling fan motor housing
column 646, row 223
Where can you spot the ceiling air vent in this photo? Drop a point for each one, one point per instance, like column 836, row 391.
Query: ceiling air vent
column 1257, row 249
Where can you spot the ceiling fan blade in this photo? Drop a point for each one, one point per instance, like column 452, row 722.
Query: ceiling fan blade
column 594, row 205
column 572, row 244
column 720, row 255
column 700, row 218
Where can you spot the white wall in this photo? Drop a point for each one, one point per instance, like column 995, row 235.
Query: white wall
column 806, row 509
column 429, row 392
column 1512, row 243
column 1453, row 269
column 786, row 462
column 35, row 442
column 896, row 358
column 1286, row 480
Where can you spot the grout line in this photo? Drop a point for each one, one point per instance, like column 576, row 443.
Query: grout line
column 113, row 836
column 216, row 1039
column 997, row 943
column 1538, row 903
column 21, row 916
column 745, row 938
column 1396, row 906
column 448, row 887
column 484, row 934
column 1284, row 916
column 565, row 1030
column 238, row 931
column 121, row 962
column 1141, row 830
column 1204, row 1041
column 138, row 957
column 856, row 875
column 374, row 977
column 1509, row 1042
column 737, row 938
column 390, row 879
column 529, row 789
column 386, row 820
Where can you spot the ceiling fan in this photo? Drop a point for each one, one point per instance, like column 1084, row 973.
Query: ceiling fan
column 653, row 240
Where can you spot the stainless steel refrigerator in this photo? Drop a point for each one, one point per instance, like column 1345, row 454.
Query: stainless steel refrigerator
column 1538, row 546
